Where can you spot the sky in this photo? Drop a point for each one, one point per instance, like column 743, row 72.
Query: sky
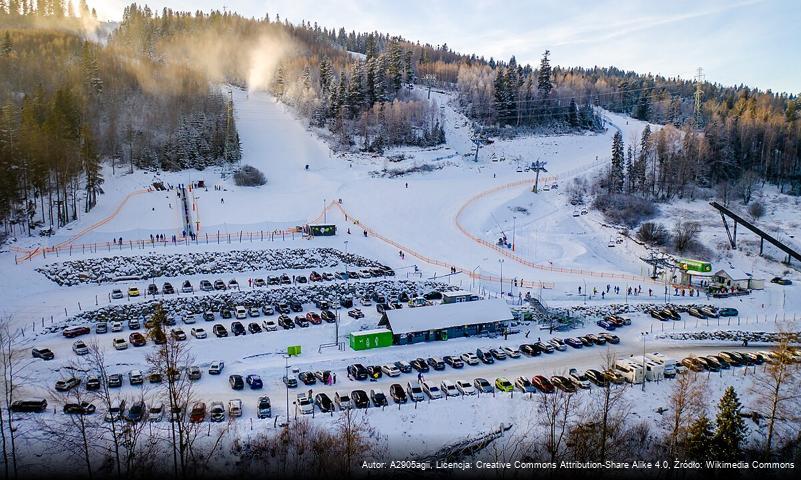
column 753, row 42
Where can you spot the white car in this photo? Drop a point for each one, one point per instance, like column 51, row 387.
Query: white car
column 432, row 390
column 449, row 388
column 198, row 332
column 465, row 387
column 156, row 412
column 80, row 348
column 365, row 301
column 116, row 294
column 511, row 352
column 235, row 407
column 305, row 404
column 119, row 343
column 216, row 367
column 469, row 358
column 135, row 377
column 116, row 326
column 190, row 319
column 414, row 391
column 579, row 379
column 557, row 345
column 390, row 370
column 269, row 325
column 241, row 312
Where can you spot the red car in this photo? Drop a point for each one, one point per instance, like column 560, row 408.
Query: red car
column 137, row 339
column 314, row 318
column 543, row 384
column 72, row 332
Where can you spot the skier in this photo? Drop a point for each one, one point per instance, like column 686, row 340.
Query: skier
column 579, row 289
column 222, row 200
column 407, row 184
column 348, row 230
column 365, row 233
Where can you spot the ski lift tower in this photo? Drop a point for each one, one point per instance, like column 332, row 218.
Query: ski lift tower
column 658, row 262
column 538, row 166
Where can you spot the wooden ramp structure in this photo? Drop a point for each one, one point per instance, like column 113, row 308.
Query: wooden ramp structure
column 732, row 233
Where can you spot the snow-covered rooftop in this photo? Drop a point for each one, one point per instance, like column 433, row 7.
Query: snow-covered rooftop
column 409, row 320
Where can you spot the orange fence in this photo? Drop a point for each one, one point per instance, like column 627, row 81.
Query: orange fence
column 509, row 254
column 433, row 261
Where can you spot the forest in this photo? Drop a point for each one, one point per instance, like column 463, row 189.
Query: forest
column 69, row 104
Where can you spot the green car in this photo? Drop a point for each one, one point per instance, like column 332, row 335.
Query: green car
column 503, row 384
column 728, row 312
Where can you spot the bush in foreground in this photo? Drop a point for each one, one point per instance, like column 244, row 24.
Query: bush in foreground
column 249, row 176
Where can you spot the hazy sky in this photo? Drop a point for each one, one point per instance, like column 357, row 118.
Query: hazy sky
column 755, row 42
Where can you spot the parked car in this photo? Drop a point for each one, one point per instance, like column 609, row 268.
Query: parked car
column 596, row 377
column 397, row 393
column 342, row 400
column 238, row 329
column 101, row 327
column 206, row 286
column 301, row 321
column 360, row 399
column 133, row 292
column 43, row 353
column 137, row 412
column 432, row 390
column 137, row 339
column 219, row 330
column 419, row 365
column 579, row 379
column 114, row 380
column 308, row 378
column 378, row 398
column 135, row 377
column 510, row 352
column 116, row 411
column 198, row 412
column 72, row 332
column 449, row 388
column 524, row 385
column 503, row 384
column 403, row 366
column 217, row 412
column 454, row 362
column 187, row 287
column 414, row 391
column 83, row 408
column 728, row 312
column 167, row 289
column 485, row 357
column 67, row 384
column 529, row 350
column 193, row 373
column 236, row 382
column 156, row 412
column 390, row 370
column 269, row 326
column 198, row 332
column 116, row 326
column 119, row 344
column 324, row 403
column 781, row 281
column 435, row 363
column 219, row 285
column 235, row 407
column 563, row 383
column 483, row 386
column 263, row 407
column 216, row 367
column 117, row 294
column 178, row 334
column 465, row 387
column 290, row 382
column 92, row 383
column 267, row 309
column 357, row 371
column 543, row 384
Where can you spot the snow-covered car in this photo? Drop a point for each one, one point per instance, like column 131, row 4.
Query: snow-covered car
column 259, row 282
column 267, row 309
column 579, row 379
column 217, row 412
column 525, row 385
column 101, row 327
column 254, row 312
column 117, row 294
column 465, row 387
column 187, row 287
column 135, row 377
column 449, row 388
column 206, row 286
column 269, row 325
column 80, row 348
column 216, row 367
column 305, row 404
column 366, row 302
column 67, row 384
column 263, row 407
column 43, row 353
column 431, row 390
column 235, row 407
column 119, row 343
column 116, row 326
column 198, row 332
column 178, row 334
column 189, row 319
column 194, row 373
column 355, row 313
column 156, row 412
column 390, row 370
column 343, row 401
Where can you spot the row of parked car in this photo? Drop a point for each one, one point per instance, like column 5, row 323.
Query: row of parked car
column 284, row 279
column 671, row 312
column 725, row 360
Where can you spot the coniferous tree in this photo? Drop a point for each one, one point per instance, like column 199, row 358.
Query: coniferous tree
column 544, row 85
column 572, row 115
column 616, row 173
column 730, row 427
column 699, row 440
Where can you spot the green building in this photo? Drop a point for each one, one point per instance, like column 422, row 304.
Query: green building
column 367, row 339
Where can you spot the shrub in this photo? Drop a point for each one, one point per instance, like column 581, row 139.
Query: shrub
column 756, row 210
column 653, row 233
column 248, row 176
column 627, row 210
column 685, row 235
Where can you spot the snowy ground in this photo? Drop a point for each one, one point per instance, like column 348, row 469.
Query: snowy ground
column 420, row 216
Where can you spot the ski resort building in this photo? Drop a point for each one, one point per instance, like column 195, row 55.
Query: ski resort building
column 444, row 321
column 737, row 280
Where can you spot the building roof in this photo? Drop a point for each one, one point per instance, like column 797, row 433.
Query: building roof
column 733, row 274
column 421, row 319
column 372, row 331
column 457, row 293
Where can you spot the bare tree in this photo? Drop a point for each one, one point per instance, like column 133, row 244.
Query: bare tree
column 756, row 209
column 777, row 393
column 685, row 234
column 557, row 412
column 104, row 397
column 13, row 363
column 354, row 431
column 688, row 400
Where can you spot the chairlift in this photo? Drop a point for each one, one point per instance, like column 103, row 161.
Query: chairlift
column 519, row 169
column 611, row 242
column 576, row 213
column 546, row 188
